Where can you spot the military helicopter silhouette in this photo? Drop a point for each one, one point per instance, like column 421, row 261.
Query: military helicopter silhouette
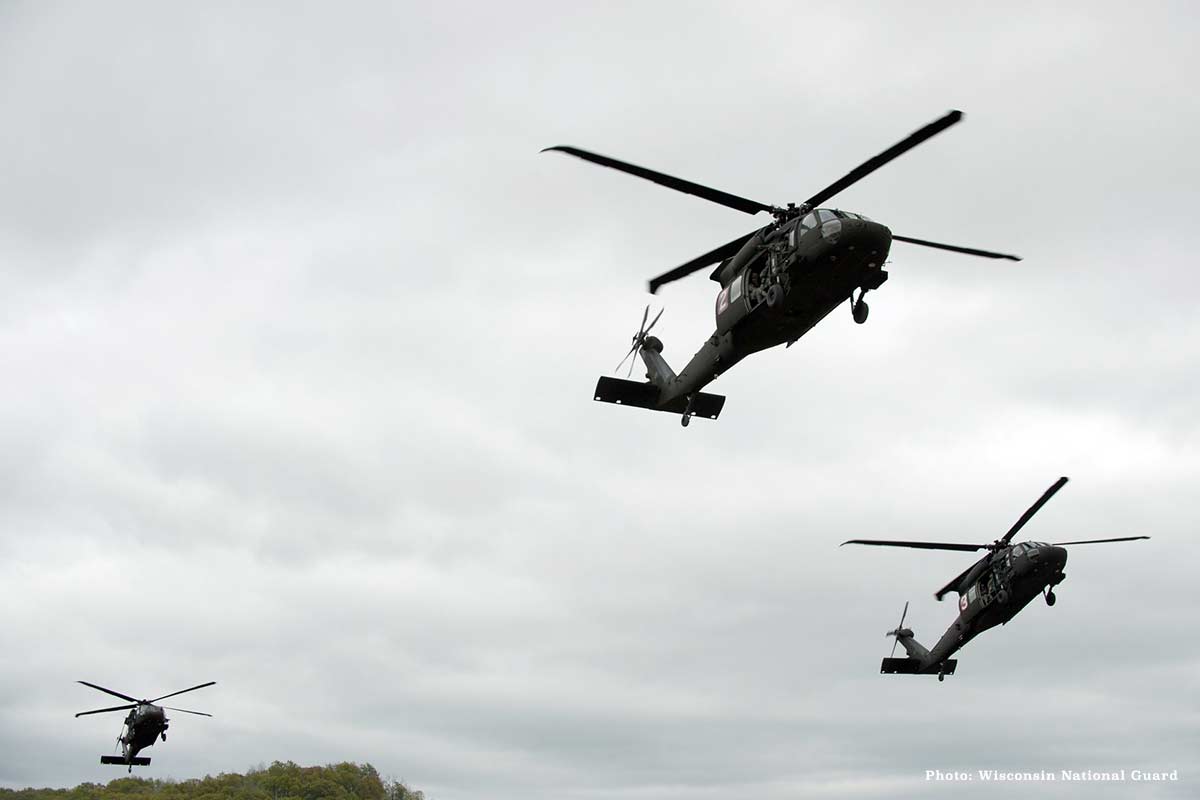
column 776, row 282
column 991, row 591
column 145, row 723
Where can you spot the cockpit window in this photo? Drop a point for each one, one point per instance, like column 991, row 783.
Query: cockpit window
column 825, row 215
column 1018, row 550
column 808, row 223
column 849, row 215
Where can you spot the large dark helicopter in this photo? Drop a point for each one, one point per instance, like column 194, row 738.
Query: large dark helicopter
column 145, row 723
column 776, row 282
column 991, row 591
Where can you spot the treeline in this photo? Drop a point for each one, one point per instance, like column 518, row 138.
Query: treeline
column 280, row 781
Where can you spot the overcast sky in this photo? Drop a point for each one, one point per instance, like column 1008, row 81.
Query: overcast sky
column 299, row 332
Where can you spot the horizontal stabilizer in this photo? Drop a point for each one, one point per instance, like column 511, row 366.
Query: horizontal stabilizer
column 645, row 395
column 912, row 666
column 137, row 761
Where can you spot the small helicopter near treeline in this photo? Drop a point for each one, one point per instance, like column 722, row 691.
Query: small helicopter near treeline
column 145, row 723
column 776, row 282
column 991, row 591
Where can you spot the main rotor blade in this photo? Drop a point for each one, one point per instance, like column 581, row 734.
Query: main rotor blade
column 727, row 250
column 109, row 691
column 184, row 710
column 895, row 151
column 1033, row 509
column 971, row 251
column 1101, row 541
column 956, row 580
column 105, row 710
column 181, row 691
column 969, row 548
column 662, row 179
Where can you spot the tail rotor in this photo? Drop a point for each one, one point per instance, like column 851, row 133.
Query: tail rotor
column 900, row 631
column 639, row 339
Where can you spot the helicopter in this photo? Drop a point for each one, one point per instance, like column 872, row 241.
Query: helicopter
column 145, row 723
column 777, row 282
column 991, row 591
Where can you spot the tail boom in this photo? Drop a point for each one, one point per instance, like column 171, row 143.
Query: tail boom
column 919, row 662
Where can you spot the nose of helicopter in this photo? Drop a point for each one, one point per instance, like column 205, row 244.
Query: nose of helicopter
column 856, row 239
column 1057, row 556
column 1041, row 560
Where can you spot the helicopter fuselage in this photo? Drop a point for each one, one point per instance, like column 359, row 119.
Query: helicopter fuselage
column 145, row 723
column 1011, row 578
column 776, row 282
column 143, row 727
column 991, row 591
column 782, row 282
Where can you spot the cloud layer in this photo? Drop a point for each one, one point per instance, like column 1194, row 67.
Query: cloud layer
column 299, row 330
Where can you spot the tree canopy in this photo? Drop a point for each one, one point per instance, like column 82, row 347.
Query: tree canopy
column 280, row 781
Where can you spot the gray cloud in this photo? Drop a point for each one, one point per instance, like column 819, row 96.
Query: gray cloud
column 299, row 331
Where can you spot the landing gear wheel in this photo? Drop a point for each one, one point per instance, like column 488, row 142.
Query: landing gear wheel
column 941, row 676
column 686, row 419
column 1051, row 598
column 1002, row 596
column 860, row 311
column 775, row 297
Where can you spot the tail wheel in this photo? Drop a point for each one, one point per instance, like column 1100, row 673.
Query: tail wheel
column 687, row 411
